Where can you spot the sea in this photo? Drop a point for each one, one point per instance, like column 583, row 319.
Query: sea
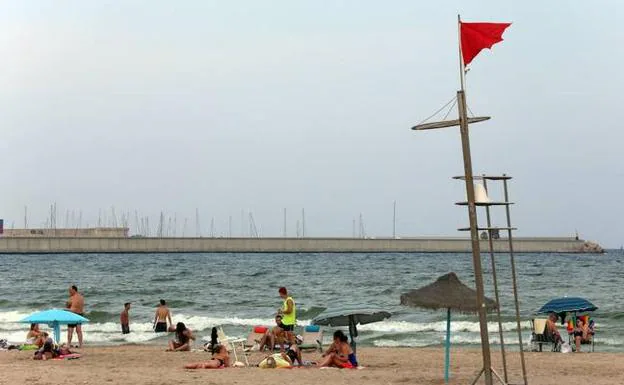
column 239, row 291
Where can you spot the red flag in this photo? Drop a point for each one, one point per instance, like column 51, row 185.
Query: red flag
column 477, row 36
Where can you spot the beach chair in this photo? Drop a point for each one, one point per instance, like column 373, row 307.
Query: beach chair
column 255, row 336
column 312, row 338
column 232, row 344
column 540, row 336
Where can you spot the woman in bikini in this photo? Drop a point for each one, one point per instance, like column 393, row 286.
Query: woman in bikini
column 220, row 359
column 339, row 354
column 34, row 336
column 182, row 341
column 581, row 334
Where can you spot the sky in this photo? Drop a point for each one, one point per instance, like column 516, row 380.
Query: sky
column 242, row 109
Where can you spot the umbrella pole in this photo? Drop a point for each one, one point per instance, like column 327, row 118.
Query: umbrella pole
column 352, row 332
column 447, row 358
column 57, row 332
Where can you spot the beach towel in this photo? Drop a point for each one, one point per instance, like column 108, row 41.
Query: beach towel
column 71, row 356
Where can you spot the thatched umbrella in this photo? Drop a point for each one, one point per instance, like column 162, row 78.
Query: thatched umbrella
column 449, row 293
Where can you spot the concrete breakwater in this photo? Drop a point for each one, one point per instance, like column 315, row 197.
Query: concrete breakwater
column 35, row 245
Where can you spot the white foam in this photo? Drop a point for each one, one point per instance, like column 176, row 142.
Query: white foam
column 407, row 342
column 457, row 326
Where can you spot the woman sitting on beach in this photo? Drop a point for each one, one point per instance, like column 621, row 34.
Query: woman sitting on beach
column 220, row 359
column 182, row 340
column 34, row 336
column 339, row 354
column 582, row 333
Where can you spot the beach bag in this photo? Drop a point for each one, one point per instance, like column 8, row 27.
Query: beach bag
column 566, row 348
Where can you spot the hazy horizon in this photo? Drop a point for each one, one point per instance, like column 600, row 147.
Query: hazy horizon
column 152, row 106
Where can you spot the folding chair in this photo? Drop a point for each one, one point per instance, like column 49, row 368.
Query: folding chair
column 312, row 338
column 254, row 336
column 231, row 344
column 540, row 335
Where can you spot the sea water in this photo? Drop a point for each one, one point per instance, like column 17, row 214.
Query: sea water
column 238, row 291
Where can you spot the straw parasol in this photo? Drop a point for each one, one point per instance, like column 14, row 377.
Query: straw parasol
column 449, row 293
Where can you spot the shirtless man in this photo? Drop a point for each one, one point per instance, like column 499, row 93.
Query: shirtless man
column 160, row 318
column 75, row 304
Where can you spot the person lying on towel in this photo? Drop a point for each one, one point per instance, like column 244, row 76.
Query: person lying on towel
column 287, row 359
column 220, row 359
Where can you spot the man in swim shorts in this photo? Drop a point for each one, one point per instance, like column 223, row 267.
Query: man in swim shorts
column 162, row 316
column 75, row 304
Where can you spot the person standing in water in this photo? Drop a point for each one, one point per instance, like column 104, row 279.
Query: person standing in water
column 75, row 304
column 124, row 319
column 288, row 311
column 162, row 316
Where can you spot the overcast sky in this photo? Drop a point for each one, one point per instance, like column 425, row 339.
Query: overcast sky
column 257, row 106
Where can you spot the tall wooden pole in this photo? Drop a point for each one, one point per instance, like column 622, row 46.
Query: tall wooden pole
column 474, row 236
column 495, row 282
column 472, row 216
column 515, row 283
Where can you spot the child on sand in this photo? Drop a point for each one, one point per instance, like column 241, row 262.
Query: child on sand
column 220, row 359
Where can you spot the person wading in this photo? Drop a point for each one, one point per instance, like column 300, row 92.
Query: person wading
column 124, row 319
column 161, row 317
column 75, row 304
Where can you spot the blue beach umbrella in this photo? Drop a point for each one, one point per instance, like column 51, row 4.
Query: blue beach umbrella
column 350, row 317
column 567, row 305
column 55, row 318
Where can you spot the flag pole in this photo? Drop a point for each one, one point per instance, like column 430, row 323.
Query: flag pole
column 472, row 216
column 462, row 70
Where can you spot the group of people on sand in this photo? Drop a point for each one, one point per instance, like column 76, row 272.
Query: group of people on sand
column 43, row 344
column 339, row 354
column 582, row 331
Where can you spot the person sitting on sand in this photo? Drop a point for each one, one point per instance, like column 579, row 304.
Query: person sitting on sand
column 582, row 333
column 182, row 340
column 271, row 336
column 220, row 359
column 339, row 354
column 551, row 327
column 48, row 349
column 161, row 317
column 34, row 336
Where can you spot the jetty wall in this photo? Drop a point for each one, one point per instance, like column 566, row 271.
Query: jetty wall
column 34, row 245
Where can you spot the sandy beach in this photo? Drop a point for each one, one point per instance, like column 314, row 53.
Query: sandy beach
column 150, row 365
